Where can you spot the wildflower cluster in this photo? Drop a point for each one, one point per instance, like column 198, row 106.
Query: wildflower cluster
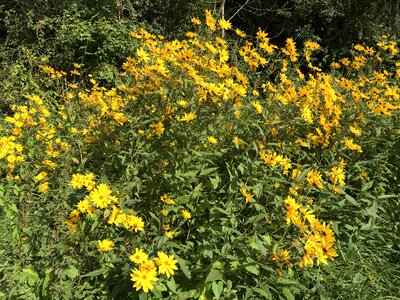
column 227, row 153
column 146, row 273
column 100, row 198
column 317, row 237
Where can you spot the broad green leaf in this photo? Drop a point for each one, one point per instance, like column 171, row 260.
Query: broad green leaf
column 31, row 276
column 213, row 275
column 253, row 269
column 172, row 285
column 267, row 240
column 217, row 288
column 71, row 272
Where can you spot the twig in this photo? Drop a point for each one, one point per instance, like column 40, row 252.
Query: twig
column 239, row 10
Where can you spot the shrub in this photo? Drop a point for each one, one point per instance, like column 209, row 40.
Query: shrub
column 218, row 169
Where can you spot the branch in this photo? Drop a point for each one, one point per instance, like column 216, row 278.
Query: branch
column 239, row 10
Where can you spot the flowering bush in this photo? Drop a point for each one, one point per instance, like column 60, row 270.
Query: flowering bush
column 220, row 168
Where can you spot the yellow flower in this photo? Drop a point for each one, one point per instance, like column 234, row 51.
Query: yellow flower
column 44, row 187
column 40, row 176
column 148, row 266
column 75, row 72
column 212, row 140
column 143, row 279
column 337, row 176
column 167, row 200
column 224, row 24
column 183, row 103
column 195, row 21
column 307, row 114
column 359, row 47
column 101, row 196
column 158, row 128
column 77, row 181
column 292, row 216
column 88, row 181
column 210, row 21
column 355, row 130
column 223, row 55
column 85, row 207
column 246, row 195
column 314, row 178
column 258, row 107
column 312, row 45
column 187, row 117
column 345, row 61
column 115, row 216
column 134, row 223
column 363, row 175
column 49, row 164
column 186, row 214
column 352, row 146
column 139, row 256
column 290, row 50
column 166, row 264
column 105, row 245
column 143, row 55
column 240, row 33
column 170, row 234
column 72, row 86
column 238, row 141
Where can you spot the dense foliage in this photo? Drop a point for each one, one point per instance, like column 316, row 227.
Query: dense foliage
column 337, row 24
column 213, row 166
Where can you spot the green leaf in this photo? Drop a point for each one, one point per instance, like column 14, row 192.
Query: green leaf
column 387, row 196
column 234, row 264
column 183, row 267
column 351, row 200
column 31, row 276
column 371, row 211
column 95, row 273
column 366, row 226
column 172, row 285
column 217, row 288
column 253, row 269
column 288, row 294
column 71, row 272
column 367, row 186
column 267, row 240
column 215, row 181
column 335, row 227
column 46, row 282
column 208, row 171
column 191, row 174
column 265, row 293
column 260, row 245
column 213, row 275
